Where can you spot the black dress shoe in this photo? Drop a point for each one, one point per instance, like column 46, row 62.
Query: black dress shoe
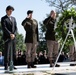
column 32, row 65
column 29, row 65
column 6, row 68
column 72, row 64
column 57, row 65
column 15, row 68
column 52, row 65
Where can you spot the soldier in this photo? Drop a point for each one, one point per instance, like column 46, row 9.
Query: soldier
column 31, row 27
column 52, row 45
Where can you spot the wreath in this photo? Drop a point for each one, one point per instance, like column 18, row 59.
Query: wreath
column 62, row 30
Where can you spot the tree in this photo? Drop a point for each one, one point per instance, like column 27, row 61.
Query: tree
column 42, row 43
column 20, row 42
column 62, row 30
column 62, row 5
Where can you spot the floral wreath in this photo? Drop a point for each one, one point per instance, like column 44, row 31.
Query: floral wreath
column 61, row 30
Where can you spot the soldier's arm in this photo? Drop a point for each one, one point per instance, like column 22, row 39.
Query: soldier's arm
column 46, row 21
column 27, row 26
column 23, row 23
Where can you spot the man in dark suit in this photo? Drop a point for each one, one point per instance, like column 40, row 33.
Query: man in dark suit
column 31, row 27
column 9, row 34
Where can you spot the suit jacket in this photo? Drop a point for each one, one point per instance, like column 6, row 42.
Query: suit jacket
column 28, row 26
column 8, row 26
column 49, row 24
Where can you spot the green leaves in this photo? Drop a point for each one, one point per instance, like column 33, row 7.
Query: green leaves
column 20, row 42
column 62, row 30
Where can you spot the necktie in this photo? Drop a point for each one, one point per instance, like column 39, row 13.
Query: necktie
column 10, row 18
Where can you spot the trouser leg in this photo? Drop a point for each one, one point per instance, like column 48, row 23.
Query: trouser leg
column 75, row 56
column 33, row 55
column 55, row 51
column 28, row 52
column 14, row 51
column 6, row 54
column 71, row 53
column 50, row 45
column 33, row 52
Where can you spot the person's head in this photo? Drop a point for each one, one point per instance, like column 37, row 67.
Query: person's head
column 29, row 13
column 53, row 14
column 9, row 10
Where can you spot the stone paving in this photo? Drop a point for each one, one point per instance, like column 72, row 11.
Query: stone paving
column 42, row 70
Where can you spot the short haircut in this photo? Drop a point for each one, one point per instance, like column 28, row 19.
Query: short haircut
column 29, row 12
column 9, row 8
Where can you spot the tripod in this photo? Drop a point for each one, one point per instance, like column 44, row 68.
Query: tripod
column 70, row 33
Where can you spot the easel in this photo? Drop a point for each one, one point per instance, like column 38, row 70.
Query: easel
column 70, row 33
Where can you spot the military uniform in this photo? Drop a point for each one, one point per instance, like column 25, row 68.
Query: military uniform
column 31, row 39
column 52, row 45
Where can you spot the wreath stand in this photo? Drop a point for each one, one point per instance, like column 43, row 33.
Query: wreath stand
column 70, row 33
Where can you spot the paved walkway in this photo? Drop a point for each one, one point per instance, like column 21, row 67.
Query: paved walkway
column 43, row 70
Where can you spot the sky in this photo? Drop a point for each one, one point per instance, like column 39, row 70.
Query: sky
column 40, row 9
